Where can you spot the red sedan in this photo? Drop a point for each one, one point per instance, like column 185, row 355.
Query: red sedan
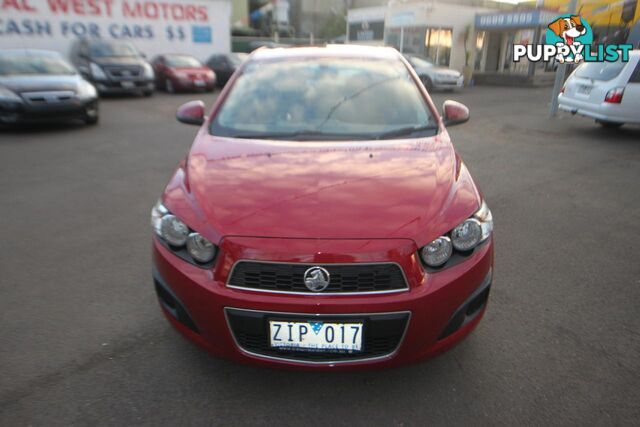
column 322, row 218
column 178, row 72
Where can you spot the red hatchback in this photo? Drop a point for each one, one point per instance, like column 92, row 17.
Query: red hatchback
column 322, row 217
column 178, row 72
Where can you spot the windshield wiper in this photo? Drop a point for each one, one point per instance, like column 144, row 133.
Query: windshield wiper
column 296, row 135
column 309, row 134
column 404, row 131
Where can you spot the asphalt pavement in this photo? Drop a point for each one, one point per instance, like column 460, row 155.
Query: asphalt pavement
column 83, row 342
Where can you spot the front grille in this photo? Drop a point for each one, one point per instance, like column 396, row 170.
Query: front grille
column 382, row 335
column 122, row 72
column 344, row 278
column 49, row 97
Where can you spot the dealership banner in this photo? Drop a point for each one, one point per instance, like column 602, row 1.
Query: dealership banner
column 198, row 27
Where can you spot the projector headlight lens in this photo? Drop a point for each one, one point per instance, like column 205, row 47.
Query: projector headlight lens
column 437, row 252
column 467, row 235
column 173, row 230
column 201, row 249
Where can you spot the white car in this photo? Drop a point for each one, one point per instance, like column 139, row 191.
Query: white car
column 609, row 92
column 433, row 76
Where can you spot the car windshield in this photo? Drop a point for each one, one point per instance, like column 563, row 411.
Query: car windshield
column 237, row 58
column 101, row 49
column 183, row 61
column 34, row 65
column 419, row 62
column 326, row 98
column 600, row 70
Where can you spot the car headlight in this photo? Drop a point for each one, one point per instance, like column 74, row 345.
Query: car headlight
column 86, row 90
column 97, row 72
column 463, row 238
column 184, row 242
column 437, row 252
column 8, row 95
column 201, row 249
column 467, row 235
column 148, row 71
column 173, row 230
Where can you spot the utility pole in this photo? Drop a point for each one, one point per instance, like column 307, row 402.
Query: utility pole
column 560, row 73
column 274, row 13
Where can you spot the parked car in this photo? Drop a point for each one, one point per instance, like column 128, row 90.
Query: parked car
column 324, row 219
column 42, row 85
column 608, row 92
column 257, row 44
column 113, row 66
column 225, row 64
column 178, row 72
column 433, row 76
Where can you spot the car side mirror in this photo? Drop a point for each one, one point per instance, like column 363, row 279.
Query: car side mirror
column 454, row 113
column 191, row 113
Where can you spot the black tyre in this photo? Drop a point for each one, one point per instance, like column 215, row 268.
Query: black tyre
column 609, row 125
column 91, row 115
column 426, row 81
column 147, row 92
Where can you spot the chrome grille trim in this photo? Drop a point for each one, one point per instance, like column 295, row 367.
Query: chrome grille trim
column 318, row 294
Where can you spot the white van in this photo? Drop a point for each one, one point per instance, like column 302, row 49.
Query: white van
column 609, row 92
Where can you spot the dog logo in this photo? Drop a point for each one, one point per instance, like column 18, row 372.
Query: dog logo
column 569, row 33
column 569, row 38
column 316, row 279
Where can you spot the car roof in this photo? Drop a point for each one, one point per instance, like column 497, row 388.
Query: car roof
column 228, row 54
column 330, row 50
column 30, row 52
column 106, row 41
column 177, row 54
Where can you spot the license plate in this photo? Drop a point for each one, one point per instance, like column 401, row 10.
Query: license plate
column 127, row 85
column 316, row 335
column 584, row 90
column 198, row 83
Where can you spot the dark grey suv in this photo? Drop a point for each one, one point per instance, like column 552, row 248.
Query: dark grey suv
column 114, row 67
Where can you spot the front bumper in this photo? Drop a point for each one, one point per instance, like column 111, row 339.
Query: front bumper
column 449, row 83
column 437, row 311
column 15, row 113
column 191, row 84
column 107, row 87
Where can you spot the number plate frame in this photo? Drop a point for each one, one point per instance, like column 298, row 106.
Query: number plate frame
column 584, row 90
column 313, row 345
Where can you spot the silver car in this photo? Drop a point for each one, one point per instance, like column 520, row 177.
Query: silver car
column 608, row 92
column 433, row 76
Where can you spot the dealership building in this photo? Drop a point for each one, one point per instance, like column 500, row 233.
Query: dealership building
column 478, row 35
column 434, row 30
